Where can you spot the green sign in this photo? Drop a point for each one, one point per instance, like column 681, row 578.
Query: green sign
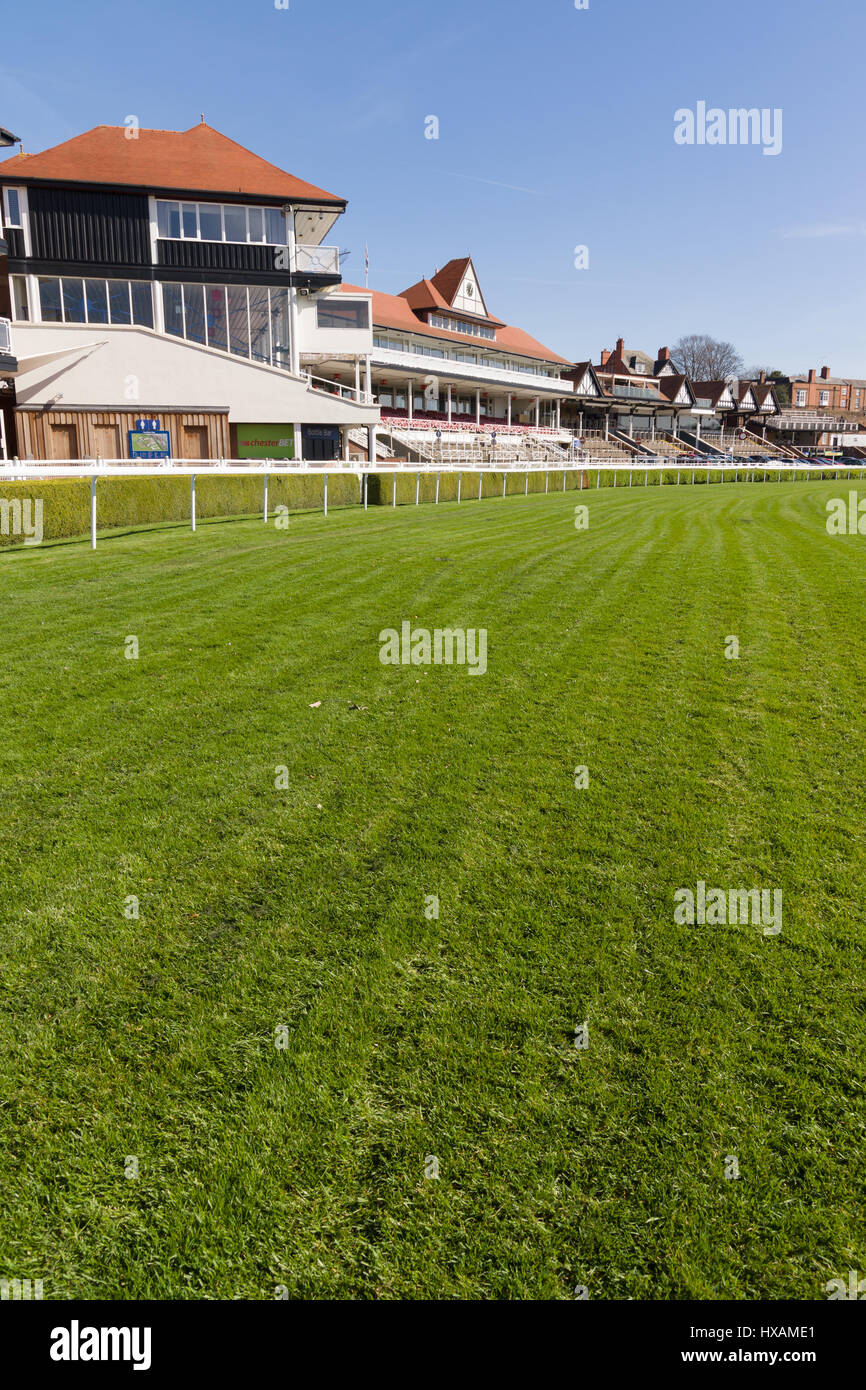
column 266, row 441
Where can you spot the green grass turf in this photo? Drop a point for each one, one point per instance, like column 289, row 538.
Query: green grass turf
column 410, row 1037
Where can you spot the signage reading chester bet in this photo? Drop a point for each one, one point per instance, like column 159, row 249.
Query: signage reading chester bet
column 266, row 441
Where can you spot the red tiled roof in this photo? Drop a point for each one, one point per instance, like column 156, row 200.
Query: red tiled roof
column 199, row 160
column 449, row 279
column 670, row 384
column 426, row 295
column 394, row 311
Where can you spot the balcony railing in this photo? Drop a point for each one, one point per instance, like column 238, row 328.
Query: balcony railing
column 526, row 382
column 335, row 388
column 6, row 337
column 317, row 260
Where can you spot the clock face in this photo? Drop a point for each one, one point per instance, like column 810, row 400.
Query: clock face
column 470, row 290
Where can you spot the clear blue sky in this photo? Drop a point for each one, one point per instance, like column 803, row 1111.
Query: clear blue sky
column 556, row 130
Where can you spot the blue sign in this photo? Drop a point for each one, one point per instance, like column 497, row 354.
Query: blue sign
column 149, row 444
column 146, row 426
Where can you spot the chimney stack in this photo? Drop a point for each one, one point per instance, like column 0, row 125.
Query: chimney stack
column 811, row 375
column 825, row 373
column 604, row 356
column 664, row 354
column 620, row 347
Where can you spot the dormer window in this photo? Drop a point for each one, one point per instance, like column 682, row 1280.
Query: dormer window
column 474, row 330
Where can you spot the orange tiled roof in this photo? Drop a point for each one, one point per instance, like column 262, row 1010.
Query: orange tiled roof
column 199, row 160
column 394, row 311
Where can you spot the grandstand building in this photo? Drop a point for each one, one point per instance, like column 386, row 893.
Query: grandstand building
column 451, row 380
column 176, row 281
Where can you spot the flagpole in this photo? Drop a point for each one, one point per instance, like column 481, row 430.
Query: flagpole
column 366, row 267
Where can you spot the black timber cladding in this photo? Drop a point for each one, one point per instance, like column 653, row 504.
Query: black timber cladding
column 89, row 228
column 219, row 255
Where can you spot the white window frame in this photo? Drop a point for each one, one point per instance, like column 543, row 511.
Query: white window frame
column 245, row 208
column 34, row 300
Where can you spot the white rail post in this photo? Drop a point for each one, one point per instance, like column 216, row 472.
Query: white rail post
column 646, row 477
column 480, row 482
column 546, row 481
column 93, row 512
column 459, row 485
column 192, row 502
column 437, row 486
column 417, row 487
column 504, row 481
column 394, row 490
column 526, row 489
column 563, row 479
column 366, row 480
column 598, row 479
column 325, row 494
column 265, row 505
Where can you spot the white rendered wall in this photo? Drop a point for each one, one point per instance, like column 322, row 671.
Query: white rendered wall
column 119, row 367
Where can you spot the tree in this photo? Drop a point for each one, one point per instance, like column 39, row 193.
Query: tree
column 705, row 359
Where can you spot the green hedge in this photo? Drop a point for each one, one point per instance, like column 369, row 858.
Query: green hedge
column 142, row 501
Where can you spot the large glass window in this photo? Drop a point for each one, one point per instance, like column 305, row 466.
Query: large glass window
column 280, row 327
column 215, row 315
column 337, row 312
column 118, row 301
column 213, row 222
column 20, row 305
column 172, row 308
column 96, row 299
column 275, row 227
column 193, row 312
column 239, row 327
column 247, row 321
column 168, row 219
column 235, row 223
column 256, row 220
column 73, row 301
column 189, row 213
column 210, row 222
column 142, row 303
column 259, row 324
column 49, row 301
